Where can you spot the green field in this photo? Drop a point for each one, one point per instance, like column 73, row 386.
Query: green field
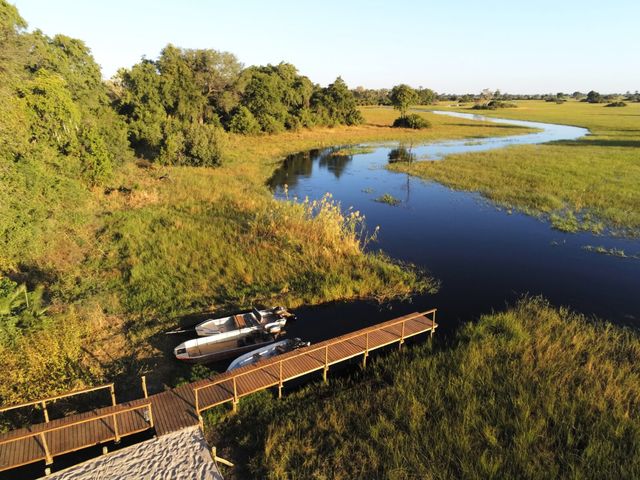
column 533, row 392
column 589, row 184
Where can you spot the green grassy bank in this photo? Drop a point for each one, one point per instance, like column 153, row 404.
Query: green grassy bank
column 589, row 184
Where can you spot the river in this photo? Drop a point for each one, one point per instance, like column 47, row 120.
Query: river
column 486, row 257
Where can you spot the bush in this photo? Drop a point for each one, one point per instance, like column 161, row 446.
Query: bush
column 494, row 105
column 243, row 122
column 204, row 145
column 414, row 121
column 616, row 104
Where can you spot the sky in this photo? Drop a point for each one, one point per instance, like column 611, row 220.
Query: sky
column 452, row 46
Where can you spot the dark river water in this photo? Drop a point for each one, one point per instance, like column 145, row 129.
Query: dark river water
column 485, row 257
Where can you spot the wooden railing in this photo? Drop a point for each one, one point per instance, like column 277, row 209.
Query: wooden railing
column 116, row 436
column 43, row 401
column 306, row 351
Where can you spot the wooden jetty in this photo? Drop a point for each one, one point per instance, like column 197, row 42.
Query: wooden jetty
column 182, row 407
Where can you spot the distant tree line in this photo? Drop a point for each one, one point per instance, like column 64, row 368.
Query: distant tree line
column 382, row 96
column 559, row 97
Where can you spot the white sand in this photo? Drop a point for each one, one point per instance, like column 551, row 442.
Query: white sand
column 179, row 455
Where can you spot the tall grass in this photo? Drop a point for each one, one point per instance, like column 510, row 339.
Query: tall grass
column 532, row 392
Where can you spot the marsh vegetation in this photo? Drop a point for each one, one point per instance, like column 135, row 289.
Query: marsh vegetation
column 526, row 393
column 587, row 184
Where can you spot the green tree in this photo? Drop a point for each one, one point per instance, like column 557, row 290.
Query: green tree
column 242, row 121
column 336, row 105
column 594, row 97
column 426, row 96
column 402, row 97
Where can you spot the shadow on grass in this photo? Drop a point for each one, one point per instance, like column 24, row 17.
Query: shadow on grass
column 599, row 143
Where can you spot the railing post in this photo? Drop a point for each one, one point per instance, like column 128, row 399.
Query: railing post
column 47, row 453
column 115, row 428
column 401, row 336
column 235, row 395
column 46, row 412
column 144, row 386
column 433, row 325
column 200, row 419
column 150, row 415
column 280, row 380
column 326, row 363
column 366, row 351
column 113, row 395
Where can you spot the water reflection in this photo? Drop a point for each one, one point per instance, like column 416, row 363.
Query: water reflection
column 401, row 154
column 301, row 165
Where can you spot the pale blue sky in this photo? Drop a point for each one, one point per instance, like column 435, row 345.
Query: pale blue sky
column 448, row 45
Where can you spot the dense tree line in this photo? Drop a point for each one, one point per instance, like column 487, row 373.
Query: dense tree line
column 175, row 109
column 179, row 106
column 59, row 135
column 54, row 103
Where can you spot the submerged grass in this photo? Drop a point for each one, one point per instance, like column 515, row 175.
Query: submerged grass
column 589, row 184
column 388, row 199
column 613, row 252
column 532, row 392
column 350, row 151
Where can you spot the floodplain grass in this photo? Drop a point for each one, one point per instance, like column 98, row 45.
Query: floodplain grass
column 531, row 392
column 592, row 183
column 158, row 242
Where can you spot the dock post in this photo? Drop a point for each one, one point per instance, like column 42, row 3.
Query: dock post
column 144, row 386
column 401, row 337
column 113, row 395
column 115, row 428
column 326, row 364
column 46, row 412
column 280, row 382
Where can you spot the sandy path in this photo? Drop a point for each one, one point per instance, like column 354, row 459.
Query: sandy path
column 179, row 455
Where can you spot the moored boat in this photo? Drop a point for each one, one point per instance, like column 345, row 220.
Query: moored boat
column 270, row 320
column 220, row 347
column 267, row 351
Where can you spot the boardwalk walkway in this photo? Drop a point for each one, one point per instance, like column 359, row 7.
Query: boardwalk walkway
column 182, row 407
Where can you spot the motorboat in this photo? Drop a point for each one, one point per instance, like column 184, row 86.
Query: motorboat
column 267, row 351
column 220, row 347
column 271, row 320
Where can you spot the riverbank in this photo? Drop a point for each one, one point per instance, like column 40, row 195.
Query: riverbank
column 531, row 392
column 160, row 242
column 588, row 184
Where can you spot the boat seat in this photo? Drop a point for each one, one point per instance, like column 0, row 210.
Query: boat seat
column 240, row 322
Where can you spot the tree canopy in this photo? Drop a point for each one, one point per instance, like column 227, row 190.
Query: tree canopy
column 402, row 97
column 196, row 93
